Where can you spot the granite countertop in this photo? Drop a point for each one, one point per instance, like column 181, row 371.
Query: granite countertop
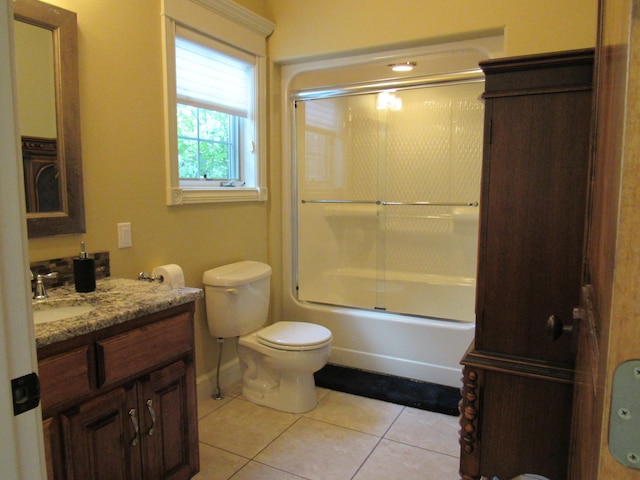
column 116, row 300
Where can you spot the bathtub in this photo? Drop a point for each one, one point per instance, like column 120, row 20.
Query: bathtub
column 426, row 349
column 435, row 296
column 402, row 340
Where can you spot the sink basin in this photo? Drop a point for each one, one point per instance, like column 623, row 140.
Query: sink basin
column 52, row 314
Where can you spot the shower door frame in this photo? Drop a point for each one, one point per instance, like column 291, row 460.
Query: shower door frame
column 418, row 348
column 432, row 81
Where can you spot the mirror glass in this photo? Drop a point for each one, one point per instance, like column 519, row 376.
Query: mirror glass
column 47, row 86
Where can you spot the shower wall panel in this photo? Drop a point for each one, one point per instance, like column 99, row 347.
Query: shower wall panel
column 365, row 159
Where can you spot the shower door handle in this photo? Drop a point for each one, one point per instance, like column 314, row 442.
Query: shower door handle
column 555, row 328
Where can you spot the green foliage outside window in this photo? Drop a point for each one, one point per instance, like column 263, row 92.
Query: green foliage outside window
column 206, row 144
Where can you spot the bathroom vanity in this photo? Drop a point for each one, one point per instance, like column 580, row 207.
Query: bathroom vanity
column 518, row 374
column 118, row 387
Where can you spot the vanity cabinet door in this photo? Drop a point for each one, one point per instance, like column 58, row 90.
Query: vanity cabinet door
column 102, row 437
column 169, row 432
column 143, row 430
column 66, row 377
column 51, row 448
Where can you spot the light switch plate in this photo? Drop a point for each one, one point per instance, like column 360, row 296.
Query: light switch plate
column 124, row 235
column 624, row 422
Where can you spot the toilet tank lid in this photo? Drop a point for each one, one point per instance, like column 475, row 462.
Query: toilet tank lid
column 234, row 274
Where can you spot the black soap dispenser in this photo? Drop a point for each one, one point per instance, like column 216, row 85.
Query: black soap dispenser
column 84, row 271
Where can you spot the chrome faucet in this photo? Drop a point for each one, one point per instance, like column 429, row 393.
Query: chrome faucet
column 41, row 292
column 147, row 277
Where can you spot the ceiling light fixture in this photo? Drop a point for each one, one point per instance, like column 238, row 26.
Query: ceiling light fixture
column 403, row 67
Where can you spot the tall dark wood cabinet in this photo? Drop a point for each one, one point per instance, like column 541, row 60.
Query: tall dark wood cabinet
column 518, row 373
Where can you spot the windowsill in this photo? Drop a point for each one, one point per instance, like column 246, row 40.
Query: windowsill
column 187, row 196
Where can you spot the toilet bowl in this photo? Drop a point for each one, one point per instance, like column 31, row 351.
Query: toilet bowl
column 279, row 374
column 277, row 361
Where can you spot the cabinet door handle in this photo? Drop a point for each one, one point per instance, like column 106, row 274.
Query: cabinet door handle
column 153, row 416
column 134, row 420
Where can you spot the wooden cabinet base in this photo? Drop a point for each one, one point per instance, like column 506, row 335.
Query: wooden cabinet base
column 514, row 421
column 128, row 407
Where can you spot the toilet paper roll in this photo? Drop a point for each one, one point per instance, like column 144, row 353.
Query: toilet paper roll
column 171, row 273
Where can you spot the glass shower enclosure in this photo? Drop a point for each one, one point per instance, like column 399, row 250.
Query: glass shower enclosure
column 387, row 190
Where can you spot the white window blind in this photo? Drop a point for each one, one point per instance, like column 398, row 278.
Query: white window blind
column 212, row 75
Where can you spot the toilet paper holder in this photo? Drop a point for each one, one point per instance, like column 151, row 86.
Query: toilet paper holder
column 147, row 277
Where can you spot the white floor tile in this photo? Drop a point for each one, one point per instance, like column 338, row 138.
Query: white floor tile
column 424, row 429
column 216, row 464
column 258, row 471
column 358, row 413
column 243, row 428
column 341, row 439
column 319, row 451
column 392, row 460
column 208, row 405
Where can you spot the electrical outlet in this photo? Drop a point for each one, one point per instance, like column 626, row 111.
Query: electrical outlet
column 124, row 235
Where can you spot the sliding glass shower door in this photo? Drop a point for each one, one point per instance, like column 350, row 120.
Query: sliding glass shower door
column 387, row 186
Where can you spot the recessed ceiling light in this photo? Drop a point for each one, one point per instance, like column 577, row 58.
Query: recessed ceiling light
column 403, row 67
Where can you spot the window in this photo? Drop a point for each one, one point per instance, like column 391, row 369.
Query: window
column 214, row 112
column 208, row 145
column 215, row 102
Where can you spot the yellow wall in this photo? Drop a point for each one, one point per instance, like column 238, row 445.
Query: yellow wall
column 314, row 27
column 121, row 104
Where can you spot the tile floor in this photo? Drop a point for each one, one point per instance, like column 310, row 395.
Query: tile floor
column 344, row 437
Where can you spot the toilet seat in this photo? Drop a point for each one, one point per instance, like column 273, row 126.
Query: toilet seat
column 294, row 336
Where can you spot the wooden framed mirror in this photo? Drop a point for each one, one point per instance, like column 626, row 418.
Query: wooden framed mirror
column 46, row 47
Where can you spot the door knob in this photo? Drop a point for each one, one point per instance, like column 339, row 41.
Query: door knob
column 555, row 328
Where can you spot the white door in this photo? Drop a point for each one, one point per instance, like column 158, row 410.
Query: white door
column 22, row 450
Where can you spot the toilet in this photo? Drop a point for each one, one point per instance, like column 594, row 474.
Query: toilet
column 277, row 361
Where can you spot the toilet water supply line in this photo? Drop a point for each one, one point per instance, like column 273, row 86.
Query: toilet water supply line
column 218, row 395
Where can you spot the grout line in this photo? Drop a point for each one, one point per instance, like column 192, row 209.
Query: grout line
column 277, row 437
column 457, row 457
column 239, row 470
column 272, row 467
column 394, row 422
column 226, row 451
column 378, row 442
column 218, row 408
column 367, row 457
column 342, row 426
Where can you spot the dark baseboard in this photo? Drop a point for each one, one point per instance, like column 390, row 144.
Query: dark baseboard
column 403, row 391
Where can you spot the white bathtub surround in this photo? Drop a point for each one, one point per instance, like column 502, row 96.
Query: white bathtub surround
column 382, row 246
column 445, row 297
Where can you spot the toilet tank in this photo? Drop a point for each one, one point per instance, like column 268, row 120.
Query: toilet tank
column 237, row 298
